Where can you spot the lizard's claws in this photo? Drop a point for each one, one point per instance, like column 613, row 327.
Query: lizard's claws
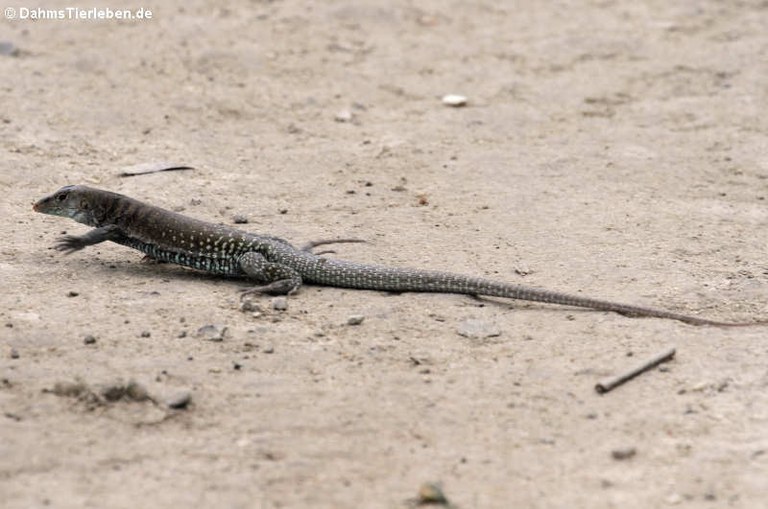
column 309, row 246
column 69, row 244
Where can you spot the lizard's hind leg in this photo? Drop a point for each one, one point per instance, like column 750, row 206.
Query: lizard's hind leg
column 278, row 279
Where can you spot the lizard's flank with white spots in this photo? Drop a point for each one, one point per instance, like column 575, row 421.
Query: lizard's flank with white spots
column 273, row 263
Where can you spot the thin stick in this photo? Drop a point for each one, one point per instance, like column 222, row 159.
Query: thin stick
column 611, row 383
column 147, row 168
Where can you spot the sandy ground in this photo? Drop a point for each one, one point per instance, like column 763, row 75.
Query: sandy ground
column 612, row 148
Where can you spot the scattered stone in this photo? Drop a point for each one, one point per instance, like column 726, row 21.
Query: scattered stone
column 478, row 329
column 9, row 325
column 146, row 334
column 269, row 349
column 522, row 270
column 355, row 319
column 72, row 293
column 179, row 401
column 454, row 100
column 112, row 392
column 137, row 392
column 14, row 353
column 237, row 366
column 8, row 49
column 431, row 494
column 212, row 332
column 280, row 304
column 239, row 219
column 182, row 334
column 623, row 453
column 343, row 116
column 89, row 339
column 69, row 389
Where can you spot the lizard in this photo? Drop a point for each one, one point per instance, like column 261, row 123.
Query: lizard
column 273, row 263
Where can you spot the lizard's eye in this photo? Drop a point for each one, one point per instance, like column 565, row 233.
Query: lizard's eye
column 62, row 196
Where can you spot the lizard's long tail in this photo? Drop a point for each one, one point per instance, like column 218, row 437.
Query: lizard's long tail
column 346, row 274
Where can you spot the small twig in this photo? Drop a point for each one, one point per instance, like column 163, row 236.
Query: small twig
column 608, row 384
column 146, row 168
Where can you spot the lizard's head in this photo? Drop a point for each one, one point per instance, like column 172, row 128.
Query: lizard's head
column 74, row 202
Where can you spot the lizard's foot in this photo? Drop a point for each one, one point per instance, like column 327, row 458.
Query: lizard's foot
column 281, row 287
column 148, row 259
column 69, row 244
column 309, row 246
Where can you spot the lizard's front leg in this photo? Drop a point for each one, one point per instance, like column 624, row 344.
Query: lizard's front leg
column 71, row 243
column 278, row 279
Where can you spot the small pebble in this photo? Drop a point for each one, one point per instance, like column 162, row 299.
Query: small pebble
column 623, row 453
column 180, row 400
column 269, row 349
column 454, row 100
column 7, row 48
column 72, row 293
column 239, row 219
column 355, row 319
column 69, row 389
column 343, row 116
column 14, row 353
column 212, row 332
column 279, row 303
column 90, row 339
column 113, row 392
column 146, row 334
column 432, row 494
column 247, row 306
column 137, row 392
column 478, row 329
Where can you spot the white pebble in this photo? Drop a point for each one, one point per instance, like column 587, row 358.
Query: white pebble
column 454, row 100
column 355, row 320
column 343, row 116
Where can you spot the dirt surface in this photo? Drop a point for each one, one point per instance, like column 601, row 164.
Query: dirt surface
column 612, row 148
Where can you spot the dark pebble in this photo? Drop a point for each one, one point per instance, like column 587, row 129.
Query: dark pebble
column 137, row 392
column 72, row 293
column 113, row 392
column 240, row 219
column 14, row 353
column 146, row 334
column 9, row 49
column 179, row 401
column 431, row 494
column 90, row 339
column 623, row 453
column 69, row 389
